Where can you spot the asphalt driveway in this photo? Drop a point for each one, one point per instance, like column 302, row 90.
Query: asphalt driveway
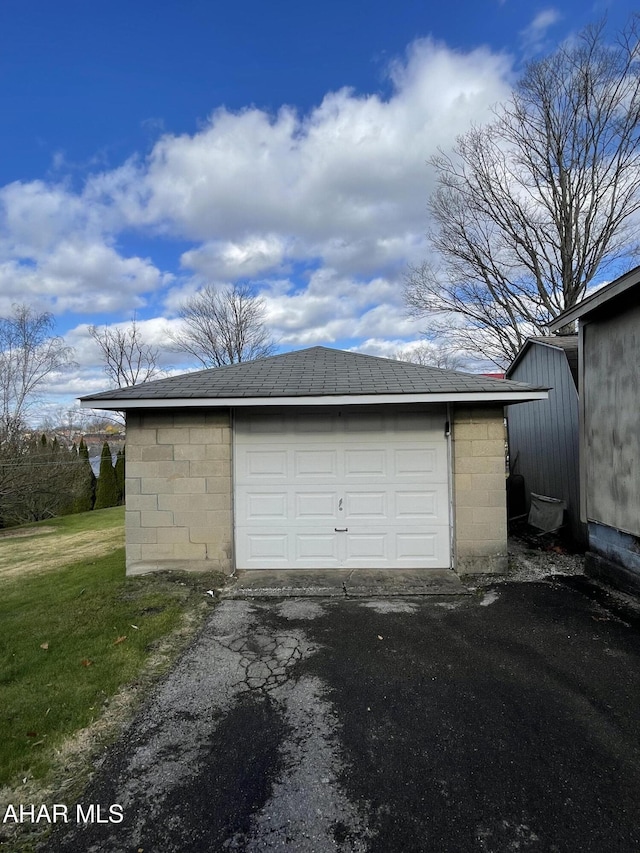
column 507, row 720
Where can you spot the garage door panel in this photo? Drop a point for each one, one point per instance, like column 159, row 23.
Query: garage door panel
column 315, row 463
column 426, row 463
column 365, row 505
column 267, row 547
column 265, row 463
column 365, row 463
column 321, row 549
column 315, row 505
column 268, row 505
column 426, row 504
column 411, row 546
column 367, row 546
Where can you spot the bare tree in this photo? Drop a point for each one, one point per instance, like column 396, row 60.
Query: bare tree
column 128, row 360
column 529, row 208
column 432, row 355
column 29, row 355
column 223, row 326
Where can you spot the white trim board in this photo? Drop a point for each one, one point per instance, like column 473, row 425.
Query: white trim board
column 341, row 400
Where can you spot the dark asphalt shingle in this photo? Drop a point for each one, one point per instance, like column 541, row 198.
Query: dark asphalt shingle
column 314, row 372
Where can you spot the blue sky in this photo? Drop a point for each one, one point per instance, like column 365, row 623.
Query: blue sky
column 149, row 147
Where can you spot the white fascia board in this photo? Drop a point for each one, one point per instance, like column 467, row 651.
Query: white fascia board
column 342, row 400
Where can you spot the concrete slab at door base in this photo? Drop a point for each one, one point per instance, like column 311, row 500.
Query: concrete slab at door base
column 361, row 583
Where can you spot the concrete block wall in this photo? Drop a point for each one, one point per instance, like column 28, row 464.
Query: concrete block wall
column 179, row 491
column 479, row 490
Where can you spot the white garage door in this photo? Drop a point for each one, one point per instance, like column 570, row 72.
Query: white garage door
column 341, row 490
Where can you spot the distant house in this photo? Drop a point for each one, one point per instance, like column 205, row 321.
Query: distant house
column 609, row 381
column 544, row 435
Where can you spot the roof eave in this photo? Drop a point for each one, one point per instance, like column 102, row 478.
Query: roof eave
column 596, row 300
column 122, row 404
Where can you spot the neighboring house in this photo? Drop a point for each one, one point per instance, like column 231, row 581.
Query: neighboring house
column 543, row 435
column 609, row 381
column 316, row 459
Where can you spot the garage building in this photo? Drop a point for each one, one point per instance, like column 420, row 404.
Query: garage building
column 316, row 459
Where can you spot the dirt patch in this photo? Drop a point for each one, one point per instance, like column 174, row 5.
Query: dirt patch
column 25, row 531
column 43, row 554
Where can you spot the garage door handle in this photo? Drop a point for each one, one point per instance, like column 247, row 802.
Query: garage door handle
column 340, row 529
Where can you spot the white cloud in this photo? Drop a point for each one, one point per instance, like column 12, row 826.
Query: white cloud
column 339, row 192
column 84, row 277
column 353, row 168
column 224, row 260
column 534, row 35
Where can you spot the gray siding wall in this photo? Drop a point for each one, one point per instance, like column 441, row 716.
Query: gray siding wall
column 544, row 434
column 611, row 433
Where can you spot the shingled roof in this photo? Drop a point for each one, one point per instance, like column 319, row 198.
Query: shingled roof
column 318, row 372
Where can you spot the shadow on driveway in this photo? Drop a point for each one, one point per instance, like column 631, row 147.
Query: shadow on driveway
column 497, row 722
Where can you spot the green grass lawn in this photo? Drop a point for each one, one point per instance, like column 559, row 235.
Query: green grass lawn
column 72, row 635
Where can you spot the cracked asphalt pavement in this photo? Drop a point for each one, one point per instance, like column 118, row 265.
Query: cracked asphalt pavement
column 497, row 722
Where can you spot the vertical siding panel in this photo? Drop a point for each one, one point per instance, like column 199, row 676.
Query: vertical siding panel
column 544, row 434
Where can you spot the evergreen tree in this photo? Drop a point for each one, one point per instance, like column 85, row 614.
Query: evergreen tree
column 120, row 475
column 86, row 488
column 107, row 487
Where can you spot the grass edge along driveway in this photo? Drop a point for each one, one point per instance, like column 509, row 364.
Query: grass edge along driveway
column 79, row 644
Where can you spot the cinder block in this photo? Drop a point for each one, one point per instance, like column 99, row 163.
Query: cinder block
column 131, row 519
column 479, row 532
column 469, row 430
column 219, row 485
column 132, row 486
column 464, row 516
column 217, row 468
column 488, row 447
column 156, row 453
column 220, row 520
column 494, row 564
column 142, row 502
column 496, row 429
column 156, row 519
column 190, row 551
column 480, row 465
column 218, row 452
column 191, row 418
column 132, row 553
column 190, row 486
column 492, row 516
column 140, row 436
column 158, row 419
column 172, row 535
column 157, row 486
column 173, row 435
column 188, row 503
column 142, row 536
column 462, row 449
column 157, row 552
column 204, row 435
column 191, row 519
column 494, row 482
column 142, row 469
column 190, row 452
column 462, row 482
column 472, row 497
column 171, row 470
column 218, row 418
column 497, row 498
column 134, row 452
